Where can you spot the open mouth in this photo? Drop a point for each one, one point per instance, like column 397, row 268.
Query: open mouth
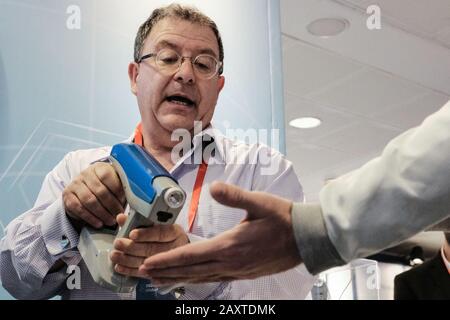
column 183, row 101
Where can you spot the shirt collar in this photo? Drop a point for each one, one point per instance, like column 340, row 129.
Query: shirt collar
column 211, row 140
column 209, row 135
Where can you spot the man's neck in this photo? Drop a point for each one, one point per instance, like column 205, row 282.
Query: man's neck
column 161, row 153
column 160, row 145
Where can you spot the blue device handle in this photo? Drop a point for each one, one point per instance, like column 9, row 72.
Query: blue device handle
column 140, row 169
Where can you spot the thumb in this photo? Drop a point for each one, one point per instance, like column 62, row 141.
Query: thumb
column 235, row 197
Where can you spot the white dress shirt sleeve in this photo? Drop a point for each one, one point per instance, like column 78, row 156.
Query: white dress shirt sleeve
column 37, row 239
column 391, row 198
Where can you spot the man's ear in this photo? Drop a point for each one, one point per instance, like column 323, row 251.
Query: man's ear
column 220, row 83
column 133, row 72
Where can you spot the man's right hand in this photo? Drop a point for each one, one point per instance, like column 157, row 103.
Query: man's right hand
column 95, row 197
column 262, row 244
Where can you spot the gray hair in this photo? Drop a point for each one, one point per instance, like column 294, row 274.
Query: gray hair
column 182, row 12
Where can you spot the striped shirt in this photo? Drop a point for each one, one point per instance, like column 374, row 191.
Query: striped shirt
column 34, row 241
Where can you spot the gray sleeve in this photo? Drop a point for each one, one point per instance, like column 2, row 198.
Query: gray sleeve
column 316, row 249
column 388, row 200
column 402, row 192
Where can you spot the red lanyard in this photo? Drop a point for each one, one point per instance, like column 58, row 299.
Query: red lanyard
column 193, row 207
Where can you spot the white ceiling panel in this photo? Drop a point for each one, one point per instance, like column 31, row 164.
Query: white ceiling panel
column 365, row 86
column 308, row 69
column 367, row 92
column 332, row 120
column 313, row 181
column 311, row 159
column 391, row 49
column 359, row 139
column 444, row 36
column 332, row 166
column 426, row 18
column 412, row 114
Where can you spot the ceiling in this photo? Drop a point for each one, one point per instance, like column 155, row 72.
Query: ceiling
column 366, row 86
column 427, row 19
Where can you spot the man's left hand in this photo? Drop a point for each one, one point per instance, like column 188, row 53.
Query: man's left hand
column 129, row 254
column 262, row 244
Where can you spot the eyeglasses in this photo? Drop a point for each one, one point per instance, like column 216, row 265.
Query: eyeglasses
column 169, row 62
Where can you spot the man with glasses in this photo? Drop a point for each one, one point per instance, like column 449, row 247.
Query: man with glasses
column 177, row 77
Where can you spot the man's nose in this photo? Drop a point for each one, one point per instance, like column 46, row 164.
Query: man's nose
column 185, row 73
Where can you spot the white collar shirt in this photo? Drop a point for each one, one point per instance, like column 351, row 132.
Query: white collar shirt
column 36, row 235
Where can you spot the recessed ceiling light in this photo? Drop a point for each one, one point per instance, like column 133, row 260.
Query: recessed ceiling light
column 305, row 123
column 328, row 27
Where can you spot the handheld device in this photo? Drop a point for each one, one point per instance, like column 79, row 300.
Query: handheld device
column 153, row 197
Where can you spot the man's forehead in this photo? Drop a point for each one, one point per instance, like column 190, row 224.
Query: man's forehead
column 179, row 32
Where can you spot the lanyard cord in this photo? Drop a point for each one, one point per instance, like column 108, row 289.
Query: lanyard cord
column 196, row 192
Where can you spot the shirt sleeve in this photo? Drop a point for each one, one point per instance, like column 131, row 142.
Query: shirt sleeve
column 315, row 247
column 37, row 239
column 391, row 198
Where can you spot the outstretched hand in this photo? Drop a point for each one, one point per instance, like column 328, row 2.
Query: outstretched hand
column 260, row 245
